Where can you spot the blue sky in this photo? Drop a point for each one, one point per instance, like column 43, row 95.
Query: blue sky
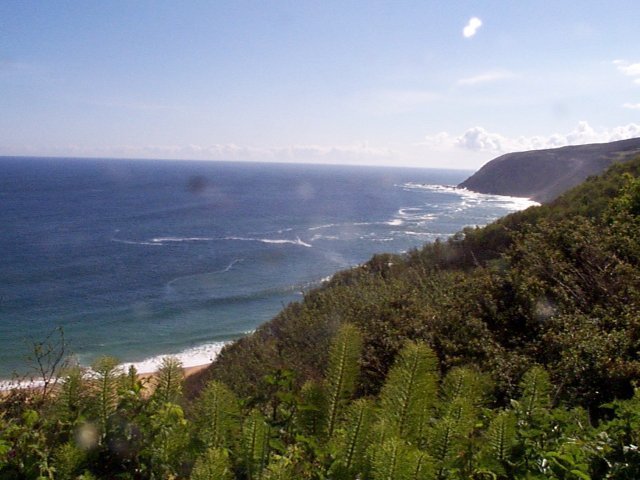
column 363, row 82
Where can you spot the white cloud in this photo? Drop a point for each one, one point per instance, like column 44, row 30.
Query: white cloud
column 486, row 77
column 471, row 27
column 632, row 106
column 478, row 139
column 630, row 69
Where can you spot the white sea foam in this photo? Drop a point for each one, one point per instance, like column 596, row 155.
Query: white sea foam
column 230, row 266
column 191, row 357
column 360, row 224
column 297, row 241
column 416, row 234
column 508, row 202
column 133, row 242
column 6, row 385
column 318, row 236
column 404, row 211
column 395, row 222
column 181, row 239
column 320, row 227
column 166, row 240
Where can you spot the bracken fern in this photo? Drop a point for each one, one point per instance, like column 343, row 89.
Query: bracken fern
column 342, row 372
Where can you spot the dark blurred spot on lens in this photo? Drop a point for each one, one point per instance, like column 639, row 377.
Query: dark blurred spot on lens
column 197, row 184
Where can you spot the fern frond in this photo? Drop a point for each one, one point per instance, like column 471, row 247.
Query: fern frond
column 255, row 444
column 389, row 460
column 350, row 447
column 464, row 383
column 105, row 386
column 68, row 459
column 130, row 383
column 217, row 415
column 312, row 409
column 410, row 390
column 536, row 392
column 167, row 440
column 448, row 437
column 501, row 436
column 442, row 440
column 380, row 433
column 71, row 400
column 422, row 466
column 290, row 465
column 342, row 372
column 168, row 381
column 464, row 414
column 399, row 461
column 279, row 469
column 213, row 464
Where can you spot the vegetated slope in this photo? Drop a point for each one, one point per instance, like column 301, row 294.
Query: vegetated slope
column 545, row 174
column 557, row 285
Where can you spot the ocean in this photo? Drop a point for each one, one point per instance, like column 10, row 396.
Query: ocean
column 143, row 258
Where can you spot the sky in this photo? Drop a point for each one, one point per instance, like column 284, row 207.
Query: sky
column 407, row 83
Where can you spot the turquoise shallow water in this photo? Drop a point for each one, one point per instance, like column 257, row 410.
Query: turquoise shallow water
column 140, row 258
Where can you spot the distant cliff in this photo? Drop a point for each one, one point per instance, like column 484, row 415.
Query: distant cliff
column 545, row 174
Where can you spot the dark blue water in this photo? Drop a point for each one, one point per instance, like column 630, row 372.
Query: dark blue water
column 139, row 258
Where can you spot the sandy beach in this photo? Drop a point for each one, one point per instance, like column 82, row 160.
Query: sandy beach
column 188, row 371
column 146, row 377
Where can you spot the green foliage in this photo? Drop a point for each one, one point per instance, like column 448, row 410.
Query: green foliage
column 410, row 390
column 68, row 460
column 463, row 439
column 350, row 446
column 463, row 386
column 280, row 469
column 213, row 464
column 166, row 442
column 217, row 416
column 536, row 387
column 621, row 438
column 629, row 199
column 446, row 441
column 71, row 401
column 311, row 415
column 168, row 381
column 255, row 444
column 399, row 461
column 500, row 441
column 105, row 391
column 342, row 372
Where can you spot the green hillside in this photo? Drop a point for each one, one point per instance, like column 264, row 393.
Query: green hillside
column 554, row 285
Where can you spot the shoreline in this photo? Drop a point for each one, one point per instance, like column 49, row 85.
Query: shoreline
column 186, row 372
column 7, row 386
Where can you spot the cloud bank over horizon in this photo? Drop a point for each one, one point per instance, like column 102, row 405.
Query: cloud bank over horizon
column 478, row 139
column 359, row 153
column 467, row 150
